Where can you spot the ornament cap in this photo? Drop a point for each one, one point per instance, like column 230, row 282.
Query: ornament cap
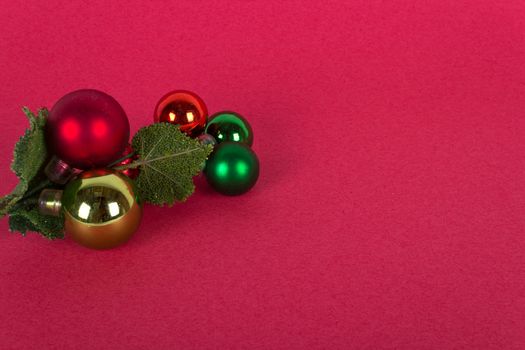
column 50, row 202
column 59, row 171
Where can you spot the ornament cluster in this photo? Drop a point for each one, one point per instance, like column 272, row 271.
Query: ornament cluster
column 79, row 173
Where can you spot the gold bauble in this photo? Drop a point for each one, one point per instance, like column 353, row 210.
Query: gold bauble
column 101, row 209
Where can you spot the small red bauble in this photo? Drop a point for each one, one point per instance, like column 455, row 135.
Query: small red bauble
column 132, row 173
column 183, row 108
column 87, row 129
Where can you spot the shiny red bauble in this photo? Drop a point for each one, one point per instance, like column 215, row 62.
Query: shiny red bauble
column 183, row 108
column 87, row 129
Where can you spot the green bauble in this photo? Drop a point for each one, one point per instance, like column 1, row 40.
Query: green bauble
column 232, row 169
column 230, row 126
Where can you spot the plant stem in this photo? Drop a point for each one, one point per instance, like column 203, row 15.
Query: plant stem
column 129, row 155
column 141, row 162
column 24, row 203
column 40, row 187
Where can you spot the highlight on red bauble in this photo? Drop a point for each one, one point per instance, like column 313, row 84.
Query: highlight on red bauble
column 87, row 128
column 183, row 108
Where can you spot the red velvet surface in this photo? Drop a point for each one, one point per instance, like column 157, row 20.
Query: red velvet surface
column 390, row 211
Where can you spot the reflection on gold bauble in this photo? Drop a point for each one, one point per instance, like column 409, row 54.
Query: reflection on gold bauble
column 101, row 209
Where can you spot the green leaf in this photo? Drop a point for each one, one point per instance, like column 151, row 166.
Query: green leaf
column 8, row 201
column 29, row 156
column 29, row 219
column 168, row 160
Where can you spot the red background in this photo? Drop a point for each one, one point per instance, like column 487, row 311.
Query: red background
column 390, row 211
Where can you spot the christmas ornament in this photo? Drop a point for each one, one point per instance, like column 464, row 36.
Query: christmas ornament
column 230, row 126
column 183, row 108
column 128, row 157
column 232, row 169
column 100, row 207
column 78, row 174
column 86, row 129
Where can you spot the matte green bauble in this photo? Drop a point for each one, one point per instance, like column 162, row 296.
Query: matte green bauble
column 232, row 169
column 230, row 126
